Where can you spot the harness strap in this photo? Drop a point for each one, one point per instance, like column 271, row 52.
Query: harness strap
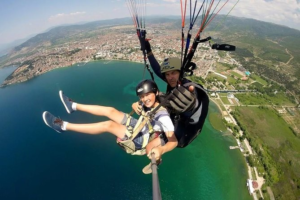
column 145, row 118
column 139, row 125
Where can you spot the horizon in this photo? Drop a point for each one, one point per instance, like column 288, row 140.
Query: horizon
column 46, row 15
column 86, row 22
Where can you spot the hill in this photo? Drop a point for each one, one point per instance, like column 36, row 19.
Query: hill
column 267, row 49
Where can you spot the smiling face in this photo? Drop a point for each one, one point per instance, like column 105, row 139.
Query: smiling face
column 148, row 99
column 172, row 77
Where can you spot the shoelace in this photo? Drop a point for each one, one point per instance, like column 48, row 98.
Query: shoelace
column 70, row 99
column 58, row 121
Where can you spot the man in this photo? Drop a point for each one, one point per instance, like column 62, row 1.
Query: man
column 189, row 104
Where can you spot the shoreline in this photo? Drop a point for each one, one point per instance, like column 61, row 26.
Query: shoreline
column 259, row 180
column 3, row 84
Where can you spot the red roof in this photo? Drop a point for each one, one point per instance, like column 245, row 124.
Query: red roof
column 254, row 184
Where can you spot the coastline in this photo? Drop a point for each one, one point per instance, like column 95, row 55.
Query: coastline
column 244, row 147
column 12, row 81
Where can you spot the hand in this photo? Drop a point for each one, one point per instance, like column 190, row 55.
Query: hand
column 183, row 99
column 157, row 153
column 137, row 107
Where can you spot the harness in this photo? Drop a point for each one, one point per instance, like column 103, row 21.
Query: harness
column 145, row 119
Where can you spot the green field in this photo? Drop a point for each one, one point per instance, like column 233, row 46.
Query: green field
column 220, row 67
column 219, row 102
column 252, row 99
column 280, row 99
column 231, row 80
column 277, row 148
column 215, row 76
column 259, row 79
column 236, row 74
column 262, row 99
column 225, row 100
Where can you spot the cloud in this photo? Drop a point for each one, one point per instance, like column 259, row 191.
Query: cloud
column 284, row 12
column 171, row 1
column 65, row 17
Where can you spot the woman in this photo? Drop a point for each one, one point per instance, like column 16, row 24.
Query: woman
column 121, row 124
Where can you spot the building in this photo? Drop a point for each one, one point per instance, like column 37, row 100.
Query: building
column 250, row 186
column 230, row 96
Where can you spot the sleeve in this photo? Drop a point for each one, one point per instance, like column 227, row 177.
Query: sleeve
column 166, row 123
column 155, row 66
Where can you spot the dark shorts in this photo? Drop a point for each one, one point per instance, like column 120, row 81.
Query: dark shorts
column 138, row 140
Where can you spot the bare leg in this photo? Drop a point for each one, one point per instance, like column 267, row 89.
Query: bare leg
column 98, row 128
column 109, row 112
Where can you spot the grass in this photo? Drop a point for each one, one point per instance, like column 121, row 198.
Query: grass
column 219, row 102
column 259, row 79
column 220, row 67
column 257, row 84
column 279, row 99
column 212, row 75
column 236, row 74
column 231, row 80
column 225, row 100
column 271, row 137
column 252, row 99
column 253, row 174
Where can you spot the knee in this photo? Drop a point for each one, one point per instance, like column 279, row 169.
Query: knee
column 111, row 110
column 107, row 125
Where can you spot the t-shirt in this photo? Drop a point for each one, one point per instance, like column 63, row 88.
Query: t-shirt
column 161, row 122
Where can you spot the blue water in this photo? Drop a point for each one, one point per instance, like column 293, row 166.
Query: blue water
column 39, row 163
column 5, row 72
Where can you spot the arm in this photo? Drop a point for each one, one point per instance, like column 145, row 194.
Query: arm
column 153, row 62
column 169, row 146
column 168, row 129
column 137, row 107
column 154, row 65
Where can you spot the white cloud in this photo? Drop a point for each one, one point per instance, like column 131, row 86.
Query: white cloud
column 172, row 1
column 285, row 12
column 69, row 17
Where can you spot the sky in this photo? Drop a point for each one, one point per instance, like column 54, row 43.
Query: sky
column 21, row 19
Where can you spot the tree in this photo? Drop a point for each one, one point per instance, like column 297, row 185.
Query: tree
column 251, row 160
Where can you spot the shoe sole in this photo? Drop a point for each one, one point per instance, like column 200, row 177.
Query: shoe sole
column 62, row 100
column 44, row 118
column 147, row 169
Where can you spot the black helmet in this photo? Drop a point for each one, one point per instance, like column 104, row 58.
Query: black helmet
column 146, row 86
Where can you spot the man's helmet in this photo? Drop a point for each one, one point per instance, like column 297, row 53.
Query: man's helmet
column 170, row 64
column 146, row 86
